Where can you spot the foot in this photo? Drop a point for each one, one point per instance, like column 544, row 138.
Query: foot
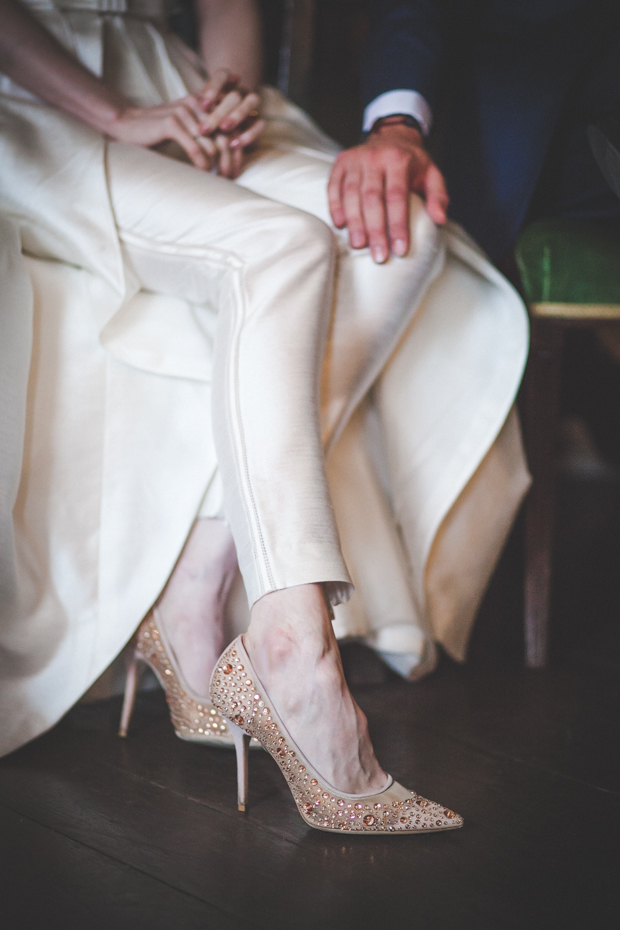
column 294, row 651
column 191, row 606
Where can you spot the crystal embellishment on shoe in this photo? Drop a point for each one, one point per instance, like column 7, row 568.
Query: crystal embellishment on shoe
column 236, row 692
column 194, row 718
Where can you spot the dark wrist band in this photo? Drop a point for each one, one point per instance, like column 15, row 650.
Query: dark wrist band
column 397, row 119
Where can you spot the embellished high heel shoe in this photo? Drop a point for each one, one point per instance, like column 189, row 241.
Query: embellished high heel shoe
column 194, row 718
column 239, row 696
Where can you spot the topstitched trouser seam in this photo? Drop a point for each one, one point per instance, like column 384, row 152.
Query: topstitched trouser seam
column 234, row 263
column 244, row 469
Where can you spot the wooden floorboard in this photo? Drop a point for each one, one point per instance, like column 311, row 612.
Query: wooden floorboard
column 99, row 832
column 560, row 721
column 538, row 839
column 51, row 881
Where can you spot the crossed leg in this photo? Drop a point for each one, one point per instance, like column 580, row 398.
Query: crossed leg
column 270, row 268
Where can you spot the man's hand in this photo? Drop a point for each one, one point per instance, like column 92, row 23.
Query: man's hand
column 370, row 184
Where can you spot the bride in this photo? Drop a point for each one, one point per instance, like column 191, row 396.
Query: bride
column 203, row 335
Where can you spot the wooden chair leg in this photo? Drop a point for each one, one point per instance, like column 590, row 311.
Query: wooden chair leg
column 542, row 396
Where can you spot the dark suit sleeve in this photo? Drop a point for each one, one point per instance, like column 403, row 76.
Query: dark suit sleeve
column 405, row 48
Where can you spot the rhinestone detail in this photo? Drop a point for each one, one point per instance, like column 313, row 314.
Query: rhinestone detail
column 317, row 803
column 187, row 715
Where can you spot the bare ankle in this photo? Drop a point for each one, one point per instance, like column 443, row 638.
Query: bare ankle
column 291, row 615
column 295, row 655
column 193, row 602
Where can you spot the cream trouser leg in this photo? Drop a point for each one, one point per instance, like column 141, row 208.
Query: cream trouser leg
column 268, row 271
column 442, row 397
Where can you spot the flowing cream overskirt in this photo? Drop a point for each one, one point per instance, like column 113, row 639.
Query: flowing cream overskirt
column 118, row 455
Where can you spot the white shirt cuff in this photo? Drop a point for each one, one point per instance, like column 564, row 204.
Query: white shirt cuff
column 409, row 102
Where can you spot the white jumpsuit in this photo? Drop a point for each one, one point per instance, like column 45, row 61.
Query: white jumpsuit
column 198, row 346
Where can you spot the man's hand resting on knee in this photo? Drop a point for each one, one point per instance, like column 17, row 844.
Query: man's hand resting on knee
column 370, row 185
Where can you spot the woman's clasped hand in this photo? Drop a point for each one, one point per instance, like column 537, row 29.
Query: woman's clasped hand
column 214, row 127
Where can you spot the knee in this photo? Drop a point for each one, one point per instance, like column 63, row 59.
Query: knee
column 309, row 236
column 317, row 231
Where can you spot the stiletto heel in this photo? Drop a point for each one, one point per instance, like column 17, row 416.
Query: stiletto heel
column 193, row 717
column 237, row 693
column 242, row 745
column 131, row 686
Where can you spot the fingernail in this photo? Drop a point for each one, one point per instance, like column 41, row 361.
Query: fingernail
column 357, row 240
column 235, row 143
column 399, row 247
column 227, row 124
column 379, row 255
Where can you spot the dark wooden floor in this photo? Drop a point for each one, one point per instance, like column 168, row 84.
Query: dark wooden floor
column 97, row 832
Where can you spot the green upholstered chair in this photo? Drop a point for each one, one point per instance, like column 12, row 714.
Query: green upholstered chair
column 570, row 271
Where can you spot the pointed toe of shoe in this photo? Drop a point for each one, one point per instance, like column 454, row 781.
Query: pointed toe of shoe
column 429, row 815
column 400, row 810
